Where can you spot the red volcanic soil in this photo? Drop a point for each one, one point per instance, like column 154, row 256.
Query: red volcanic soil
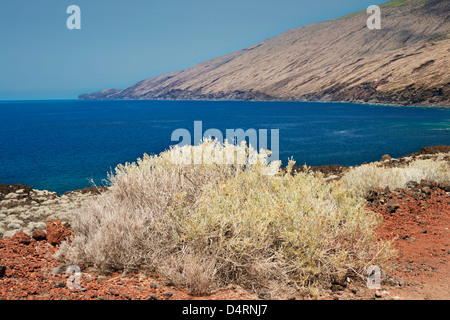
column 32, row 273
column 28, row 270
column 416, row 220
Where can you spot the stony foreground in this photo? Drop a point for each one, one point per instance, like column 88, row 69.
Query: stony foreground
column 416, row 219
column 25, row 209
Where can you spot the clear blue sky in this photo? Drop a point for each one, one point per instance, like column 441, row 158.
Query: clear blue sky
column 123, row 42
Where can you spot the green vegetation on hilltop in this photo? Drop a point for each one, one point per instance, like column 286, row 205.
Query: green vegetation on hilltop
column 394, row 3
column 389, row 4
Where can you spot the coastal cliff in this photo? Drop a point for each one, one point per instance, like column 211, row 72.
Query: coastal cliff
column 403, row 63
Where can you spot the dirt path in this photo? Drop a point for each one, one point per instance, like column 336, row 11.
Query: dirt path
column 418, row 222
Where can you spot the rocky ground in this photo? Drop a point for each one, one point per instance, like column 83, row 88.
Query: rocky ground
column 33, row 223
column 25, row 209
column 417, row 220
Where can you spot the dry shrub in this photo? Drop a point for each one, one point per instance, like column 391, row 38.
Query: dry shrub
column 366, row 177
column 197, row 271
column 208, row 225
column 133, row 224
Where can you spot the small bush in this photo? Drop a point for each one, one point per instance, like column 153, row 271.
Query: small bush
column 366, row 177
column 205, row 226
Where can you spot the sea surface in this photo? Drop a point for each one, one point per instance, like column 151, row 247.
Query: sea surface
column 63, row 145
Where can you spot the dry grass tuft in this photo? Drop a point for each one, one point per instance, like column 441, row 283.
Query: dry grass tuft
column 366, row 177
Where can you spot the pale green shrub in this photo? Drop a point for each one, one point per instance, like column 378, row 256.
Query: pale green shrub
column 299, row 229
column 207, row 225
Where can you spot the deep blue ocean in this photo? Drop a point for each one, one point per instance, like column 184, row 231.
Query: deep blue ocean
column 61, row 145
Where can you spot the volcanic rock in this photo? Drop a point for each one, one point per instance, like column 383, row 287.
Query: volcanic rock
column 39, row 235
column 56, row 232
column 21, row 237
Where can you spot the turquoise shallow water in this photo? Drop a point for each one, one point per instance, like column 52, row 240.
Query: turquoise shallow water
column 60, row 145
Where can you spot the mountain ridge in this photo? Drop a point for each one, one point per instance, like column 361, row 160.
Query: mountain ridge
column 404, row 63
